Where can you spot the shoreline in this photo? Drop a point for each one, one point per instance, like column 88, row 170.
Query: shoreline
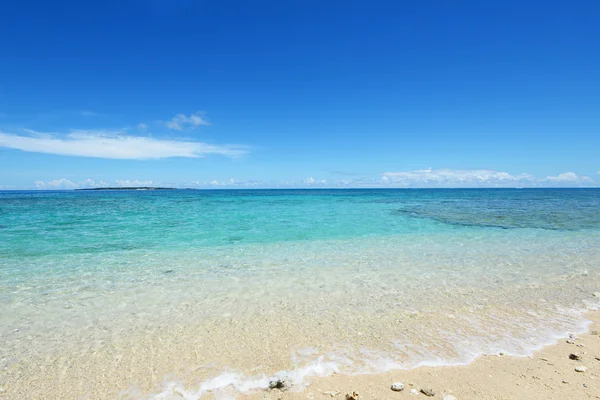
column 547, row 374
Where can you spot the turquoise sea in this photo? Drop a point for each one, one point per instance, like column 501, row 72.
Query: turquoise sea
column 147, row 294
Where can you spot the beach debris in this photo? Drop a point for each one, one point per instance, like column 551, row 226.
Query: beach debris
column 280, row 383
column 574, row 356
column 331, row 393
column 428, row 392
column 414, row 392
column 353, row 396
column 397, row 386
column 571, row 341
column 580, row 368
column 449, row 397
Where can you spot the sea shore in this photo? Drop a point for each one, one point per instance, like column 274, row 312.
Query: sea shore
column 549, row 373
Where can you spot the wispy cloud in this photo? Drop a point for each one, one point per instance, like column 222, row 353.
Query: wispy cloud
column 142, row 126
column 64, row 184
column 133, row 183
column 457, row 178
column 57, row 184
column 570, row 178
column 115, row 145
column 181, row 121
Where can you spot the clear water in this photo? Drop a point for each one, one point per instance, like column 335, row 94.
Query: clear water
column 296, row 282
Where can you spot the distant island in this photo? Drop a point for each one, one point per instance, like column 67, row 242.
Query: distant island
column 129, row 188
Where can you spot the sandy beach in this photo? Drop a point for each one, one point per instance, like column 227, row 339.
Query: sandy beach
column 548, row 374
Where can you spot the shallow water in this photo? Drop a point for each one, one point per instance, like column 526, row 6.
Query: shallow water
column 147, row 294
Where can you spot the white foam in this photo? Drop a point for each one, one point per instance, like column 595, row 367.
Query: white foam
column 229, row 385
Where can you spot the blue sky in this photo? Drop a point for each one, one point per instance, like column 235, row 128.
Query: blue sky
column 299, row 93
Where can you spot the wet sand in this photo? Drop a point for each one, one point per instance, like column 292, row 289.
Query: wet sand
column 548, row 374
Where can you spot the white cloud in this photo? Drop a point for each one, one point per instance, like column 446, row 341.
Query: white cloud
column 116, row 145
column 180, row 121
column 128, row 183
column 456, row 178
column 57, row 184
column 63, row 184
column 142, row 126
column 309, row 180
column 478, row 178
column 570, row 179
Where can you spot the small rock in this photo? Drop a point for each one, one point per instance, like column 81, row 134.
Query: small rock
column 565, row 381
column 331, row 393
column 574, row 356
column 428, row 392
column 414, row 392
column 597, row 358
column 282, row 384
column 397, row 386
column 570, row 341
column 580, row 345
column 585, row 385
column 449, row 397
column 353, row 396
column 597, row 294
column 580, row 368
column 544, row 359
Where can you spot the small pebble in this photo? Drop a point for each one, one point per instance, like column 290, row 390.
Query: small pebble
column 282, row 384
column 414, row 391
column 585, row 385
column 580, row 368
column 565, row 381
column 353, row 396
column 397, row 386
column 428, row 392
column 574, row 356
column 570, row 342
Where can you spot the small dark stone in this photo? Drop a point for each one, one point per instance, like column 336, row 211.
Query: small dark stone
column 279, row 384
column 428, row 392
column 574, row 356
